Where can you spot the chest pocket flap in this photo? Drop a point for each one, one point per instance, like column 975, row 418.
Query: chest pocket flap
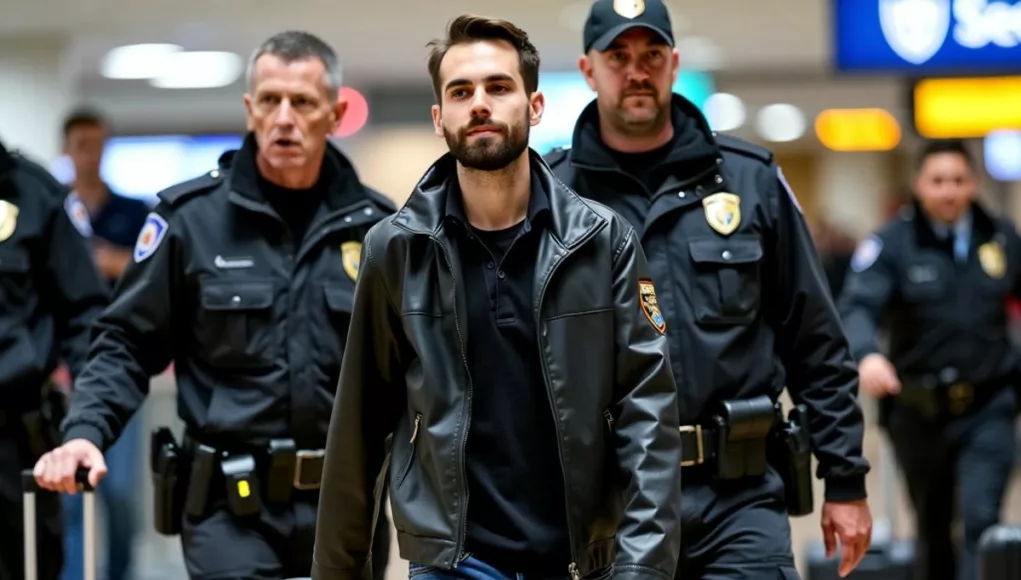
column 236, row 327
column 339, row 298
column 14, row 260
column 727, row 279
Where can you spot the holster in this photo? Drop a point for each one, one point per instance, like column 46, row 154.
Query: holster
column 791, row 454
column 743, row 427
column 168, row 477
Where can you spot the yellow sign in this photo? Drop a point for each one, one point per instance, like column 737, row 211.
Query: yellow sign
column 990, row 255
column 8, row 219
column 650, row 305
column 723, row 212
column 857, row 130
column 963, row 108
column 629, row 8
column 351, row 256
column 244, row 490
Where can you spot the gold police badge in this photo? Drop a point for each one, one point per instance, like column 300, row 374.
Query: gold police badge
column 650, row 305
column 990, row 255
column 723, row 212
column 8, row 219
column 629, row 8
column 351, row 256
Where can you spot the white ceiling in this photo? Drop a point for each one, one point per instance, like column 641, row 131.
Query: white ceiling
column 385, row 39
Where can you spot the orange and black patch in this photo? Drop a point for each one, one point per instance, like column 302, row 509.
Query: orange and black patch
column 650, row 305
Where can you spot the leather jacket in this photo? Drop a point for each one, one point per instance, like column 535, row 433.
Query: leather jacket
column 405, row 371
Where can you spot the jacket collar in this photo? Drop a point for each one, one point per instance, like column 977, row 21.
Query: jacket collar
column 983, row 226
column 693, row 144
column 571, row 219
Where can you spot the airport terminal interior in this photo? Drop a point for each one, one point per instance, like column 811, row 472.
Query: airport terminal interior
column 843, row 91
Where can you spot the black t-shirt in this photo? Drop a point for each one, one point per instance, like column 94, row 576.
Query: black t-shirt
column 296, row 207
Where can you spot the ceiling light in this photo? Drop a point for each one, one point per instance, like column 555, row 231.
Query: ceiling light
column 1003, row 155
column 724, row 111
column 870, row 129
column 136, row 61
column 780, row 123
column 198, row 70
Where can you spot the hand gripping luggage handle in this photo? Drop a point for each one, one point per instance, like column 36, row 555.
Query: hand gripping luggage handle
column 29, row 487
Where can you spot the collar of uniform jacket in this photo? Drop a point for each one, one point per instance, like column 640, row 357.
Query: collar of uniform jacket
column 571, row 219
column 344, row 190
column 693, row 139
column 983, row 226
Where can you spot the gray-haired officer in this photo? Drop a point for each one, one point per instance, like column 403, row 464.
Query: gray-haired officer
column 744, row 295
column 243, row 278
column 937, row 278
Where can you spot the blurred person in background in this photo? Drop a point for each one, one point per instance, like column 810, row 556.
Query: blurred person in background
column 243, row 278
column 112, row 223
column 535, row 434
column 938, row 278
column 744, row 295
column 50, row 294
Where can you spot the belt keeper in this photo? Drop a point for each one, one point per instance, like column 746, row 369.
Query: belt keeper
column 283, row 462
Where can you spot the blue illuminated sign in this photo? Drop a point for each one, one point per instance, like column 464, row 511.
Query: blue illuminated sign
column 927, row 36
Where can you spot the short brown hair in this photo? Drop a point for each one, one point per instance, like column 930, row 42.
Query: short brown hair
column 82, row 117
column 469, row 28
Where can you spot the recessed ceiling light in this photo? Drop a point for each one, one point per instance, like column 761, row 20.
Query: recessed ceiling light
column 724, row 111
column 136, row 61
column 781, row 122
column 198, row 70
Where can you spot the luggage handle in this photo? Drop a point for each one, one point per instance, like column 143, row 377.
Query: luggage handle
column 29, row 488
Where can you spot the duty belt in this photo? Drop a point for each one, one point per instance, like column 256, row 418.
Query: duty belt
column 697, row 445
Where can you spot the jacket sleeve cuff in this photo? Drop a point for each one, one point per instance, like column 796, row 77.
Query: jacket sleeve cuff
column 88, row 432
column 849, row 488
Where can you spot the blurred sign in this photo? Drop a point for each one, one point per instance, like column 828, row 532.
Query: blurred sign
column 857, row 130
column 1002, row 152
column 963, row 108
column 567, row 94
column 927, row 36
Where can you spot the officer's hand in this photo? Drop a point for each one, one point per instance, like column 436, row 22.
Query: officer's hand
column 56, row 470
column 851, row 523
column 877, row 376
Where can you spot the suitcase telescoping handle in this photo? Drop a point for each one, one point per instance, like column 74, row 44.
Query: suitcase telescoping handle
column 29, row 488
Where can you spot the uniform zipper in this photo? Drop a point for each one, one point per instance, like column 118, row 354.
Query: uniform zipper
column 467, row 423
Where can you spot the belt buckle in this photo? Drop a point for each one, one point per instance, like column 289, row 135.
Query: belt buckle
column 700, row 454
column 961, row 396
column 301, row 456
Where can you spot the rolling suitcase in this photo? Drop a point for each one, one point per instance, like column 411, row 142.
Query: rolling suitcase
column 887, row 557
column 29, row 488
column 999, row 551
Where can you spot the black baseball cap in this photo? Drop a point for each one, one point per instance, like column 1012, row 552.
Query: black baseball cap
column 611, row 18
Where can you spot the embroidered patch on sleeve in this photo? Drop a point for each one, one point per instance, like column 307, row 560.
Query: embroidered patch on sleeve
column 866, row 254
column 650, row 305
column 149, row 238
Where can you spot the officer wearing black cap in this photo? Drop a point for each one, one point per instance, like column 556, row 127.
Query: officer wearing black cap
column 744, row 297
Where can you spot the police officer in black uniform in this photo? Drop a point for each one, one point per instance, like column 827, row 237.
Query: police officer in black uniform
column 745, row 300
column 936, row 278
column 243, row 278
column 50, row 293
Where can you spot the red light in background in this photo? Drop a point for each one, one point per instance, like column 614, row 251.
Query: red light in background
column 356, row 115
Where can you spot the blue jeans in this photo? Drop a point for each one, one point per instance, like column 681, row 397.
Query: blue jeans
column 472, row 568
column 118, row 493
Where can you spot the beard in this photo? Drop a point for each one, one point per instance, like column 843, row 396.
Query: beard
column 645, row 118
column 491, row 153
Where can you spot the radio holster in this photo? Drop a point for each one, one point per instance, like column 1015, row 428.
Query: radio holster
column 742, row 427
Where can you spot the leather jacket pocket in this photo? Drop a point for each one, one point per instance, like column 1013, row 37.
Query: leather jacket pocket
column 235, row 327
column 404, row 463
column 727, row 279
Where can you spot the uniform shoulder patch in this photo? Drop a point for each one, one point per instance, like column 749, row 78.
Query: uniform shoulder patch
column 650, row 305
column 177, row 194
column 79, row 216
column 742, row 147
column 866, row 253
column 788, row 189
column 150, row 236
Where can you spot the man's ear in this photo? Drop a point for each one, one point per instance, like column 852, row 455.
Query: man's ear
column 437, row 121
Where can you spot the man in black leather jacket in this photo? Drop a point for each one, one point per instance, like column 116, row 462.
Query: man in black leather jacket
column 507, row 333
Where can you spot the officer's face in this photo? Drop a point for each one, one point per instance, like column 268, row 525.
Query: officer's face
column 84, row 146
column 484, row 113
column 633, row 80
column 291, row 111
column 946, row 186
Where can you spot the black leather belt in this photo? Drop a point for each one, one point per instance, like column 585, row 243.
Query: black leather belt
column 698, row 445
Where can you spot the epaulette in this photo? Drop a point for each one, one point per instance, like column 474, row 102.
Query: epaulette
column 177, row 194
column 556, row 156
column 742, row 147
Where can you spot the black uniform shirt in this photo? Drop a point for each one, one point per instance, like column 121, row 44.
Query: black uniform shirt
column 516, row 507
column 254, row 318
column 50, row 291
